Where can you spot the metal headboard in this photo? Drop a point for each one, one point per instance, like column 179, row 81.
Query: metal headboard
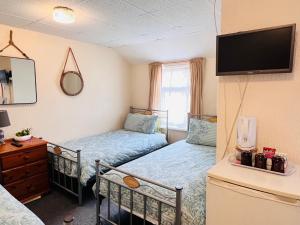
column 163, row 117
column 199, row 117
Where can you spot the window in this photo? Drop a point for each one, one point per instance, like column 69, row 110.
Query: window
column 175, row 93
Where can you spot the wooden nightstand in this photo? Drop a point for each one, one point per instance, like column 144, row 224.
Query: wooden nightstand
column 24, row 170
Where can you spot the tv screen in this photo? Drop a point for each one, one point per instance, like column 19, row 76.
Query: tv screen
column 268, row 50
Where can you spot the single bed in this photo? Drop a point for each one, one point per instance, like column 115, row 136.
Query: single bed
column 13, row 212
column 114, row 148
column 180, row 165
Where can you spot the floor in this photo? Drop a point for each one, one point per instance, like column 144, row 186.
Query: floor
column 53, row 207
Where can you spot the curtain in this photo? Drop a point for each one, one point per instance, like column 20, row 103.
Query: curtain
column 155, row 73
column 196, row 67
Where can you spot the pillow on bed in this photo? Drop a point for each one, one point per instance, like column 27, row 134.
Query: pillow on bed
column 140, row 123
column 202, row 132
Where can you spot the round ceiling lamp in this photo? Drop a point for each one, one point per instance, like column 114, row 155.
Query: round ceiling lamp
column 63, row 14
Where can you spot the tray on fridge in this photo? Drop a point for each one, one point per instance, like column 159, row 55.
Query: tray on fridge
column 289, row 170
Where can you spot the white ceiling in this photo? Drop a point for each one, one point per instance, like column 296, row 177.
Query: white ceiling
column 140, row 30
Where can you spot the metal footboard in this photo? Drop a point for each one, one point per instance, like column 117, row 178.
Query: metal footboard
column 62, row 159
column 176, row 205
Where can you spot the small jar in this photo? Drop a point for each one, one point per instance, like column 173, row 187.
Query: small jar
column 278, row 163
column 284, row 156
column 246, row 158
column 260, row 161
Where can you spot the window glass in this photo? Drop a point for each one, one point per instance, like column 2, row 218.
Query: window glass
column 175, row 93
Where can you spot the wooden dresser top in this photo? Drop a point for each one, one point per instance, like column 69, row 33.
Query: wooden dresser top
column 7, row 148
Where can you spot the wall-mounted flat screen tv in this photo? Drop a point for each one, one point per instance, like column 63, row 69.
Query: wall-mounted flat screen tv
column 269, row 50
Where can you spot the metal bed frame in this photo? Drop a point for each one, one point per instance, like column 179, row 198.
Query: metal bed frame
column 177, row 191
column 61, row 179
column 73, row 185
column 176, row 206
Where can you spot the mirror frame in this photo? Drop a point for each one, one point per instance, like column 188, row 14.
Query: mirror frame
column 36, row 95
column 62, row 86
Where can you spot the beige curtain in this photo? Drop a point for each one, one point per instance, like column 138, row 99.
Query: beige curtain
column 155, row 73
column 196, row 67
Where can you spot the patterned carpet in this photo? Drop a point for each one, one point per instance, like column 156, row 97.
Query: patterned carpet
column 52, row 208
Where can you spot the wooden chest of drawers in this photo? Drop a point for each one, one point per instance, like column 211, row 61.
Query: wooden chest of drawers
column 24, row 170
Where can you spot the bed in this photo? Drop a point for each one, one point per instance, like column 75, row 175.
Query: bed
column 13, row 212
column 172, row 185
column 71, row 169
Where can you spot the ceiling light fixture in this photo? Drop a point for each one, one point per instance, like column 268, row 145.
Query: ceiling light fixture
column 63, row 14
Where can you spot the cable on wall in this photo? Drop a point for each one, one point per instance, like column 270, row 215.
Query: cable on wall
column 228, row 139
column 225, row 112
column 215, row 17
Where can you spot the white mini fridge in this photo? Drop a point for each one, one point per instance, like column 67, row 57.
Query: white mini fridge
column 240, row 196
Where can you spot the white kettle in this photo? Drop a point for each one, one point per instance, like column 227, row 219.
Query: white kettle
column 246, row 133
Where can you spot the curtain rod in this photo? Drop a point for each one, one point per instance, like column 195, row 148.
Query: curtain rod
column 178, row 61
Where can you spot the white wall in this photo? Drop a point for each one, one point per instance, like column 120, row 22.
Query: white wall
column 273, row 98
column 101, row 106
column 140, row 91
column 140, row 85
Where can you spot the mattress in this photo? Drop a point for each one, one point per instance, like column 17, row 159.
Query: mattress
column 179, row 164
column 114, row 148
column 13, row 212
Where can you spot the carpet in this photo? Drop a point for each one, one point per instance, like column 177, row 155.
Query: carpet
column 53, row 207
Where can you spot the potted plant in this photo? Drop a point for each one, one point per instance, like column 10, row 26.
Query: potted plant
column 23, row 135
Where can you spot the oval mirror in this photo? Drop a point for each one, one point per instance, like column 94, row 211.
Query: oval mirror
column 71, row 83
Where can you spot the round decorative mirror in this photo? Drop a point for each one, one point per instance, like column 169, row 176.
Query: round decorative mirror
column 71, row 83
